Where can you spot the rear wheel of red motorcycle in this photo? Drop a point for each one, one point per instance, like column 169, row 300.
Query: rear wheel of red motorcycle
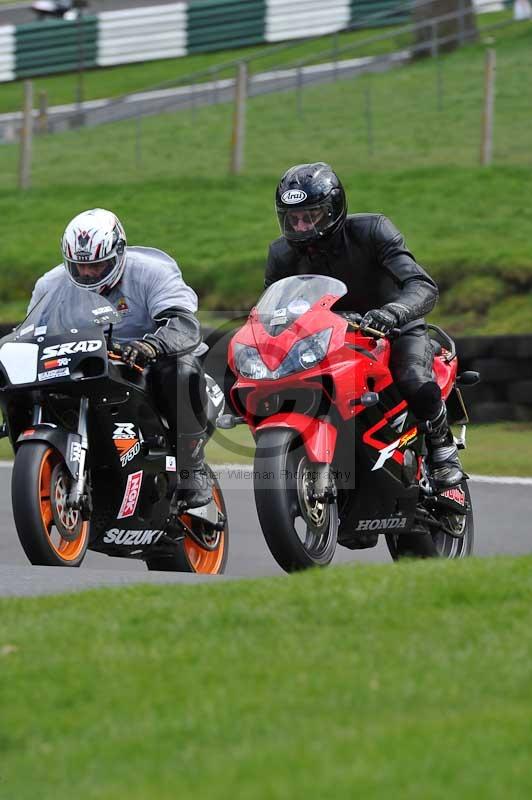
column 51, row 534
column 190, row 556
column 438, row 544
column 299, row 531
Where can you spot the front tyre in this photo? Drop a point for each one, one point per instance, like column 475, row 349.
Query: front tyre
column 438, row 543
column 301, row 532
column 50, row 533
column 190, row 556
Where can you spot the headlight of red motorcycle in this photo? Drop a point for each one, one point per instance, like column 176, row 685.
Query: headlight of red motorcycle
column 249, row 363
column 305, row 354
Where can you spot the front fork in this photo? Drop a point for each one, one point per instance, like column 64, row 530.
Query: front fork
column 324, row 488
column 79, row 486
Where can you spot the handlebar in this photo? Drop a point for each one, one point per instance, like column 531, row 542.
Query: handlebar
column 354, row 321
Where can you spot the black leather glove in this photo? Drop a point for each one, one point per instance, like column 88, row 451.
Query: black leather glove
column 139, row 353
column 385, row 319
column 379, row 319
column 350, row 316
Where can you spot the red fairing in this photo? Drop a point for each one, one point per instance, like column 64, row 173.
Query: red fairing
column 445, row 374
column 351, row 371
column 273, row 349
column 355, row 364
column 319, row 437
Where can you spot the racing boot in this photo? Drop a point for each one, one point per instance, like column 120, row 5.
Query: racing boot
column 194, row 487
column 443, row 461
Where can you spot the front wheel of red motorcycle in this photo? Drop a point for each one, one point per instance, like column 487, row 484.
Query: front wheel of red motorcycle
column 300, row 531
column 438, row 542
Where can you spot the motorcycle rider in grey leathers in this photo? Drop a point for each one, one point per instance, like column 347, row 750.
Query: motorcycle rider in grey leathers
column 157, row 309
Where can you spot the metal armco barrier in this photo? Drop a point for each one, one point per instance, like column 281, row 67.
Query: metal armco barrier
column 55, row 46
column 378, row 8
column 287, row 19
column 224, row 24
column 142, row 34
column 7, row 53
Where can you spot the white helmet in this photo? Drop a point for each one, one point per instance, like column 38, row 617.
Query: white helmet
column 94, row 240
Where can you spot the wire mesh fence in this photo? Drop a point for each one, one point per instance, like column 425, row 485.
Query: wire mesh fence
column 371, row 112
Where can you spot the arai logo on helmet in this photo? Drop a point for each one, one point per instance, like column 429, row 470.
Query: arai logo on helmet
column 293, row 196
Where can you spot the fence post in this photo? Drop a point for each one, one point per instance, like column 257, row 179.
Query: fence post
column 461, row 21
column 434, row 39
column 486, row 151
column 26, row 138
column 214, row 78
column 239, row 119
column 439, row 83
column 42, row 120
column 435, row 51
column 80, row 30
column 138, row 141
column 369, row 115
column 299, row 91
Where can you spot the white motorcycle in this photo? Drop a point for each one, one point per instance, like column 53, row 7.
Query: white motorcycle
column 59, row 9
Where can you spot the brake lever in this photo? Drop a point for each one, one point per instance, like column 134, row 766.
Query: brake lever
column 116, row 355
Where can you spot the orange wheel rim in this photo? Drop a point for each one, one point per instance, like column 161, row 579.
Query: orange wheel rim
column 65, row 549
column 206, row 562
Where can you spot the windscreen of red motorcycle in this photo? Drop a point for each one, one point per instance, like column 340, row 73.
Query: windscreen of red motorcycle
column 290, row 298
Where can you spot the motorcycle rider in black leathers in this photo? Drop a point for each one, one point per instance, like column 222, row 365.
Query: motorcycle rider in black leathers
column 384, row 283
column 157, row 309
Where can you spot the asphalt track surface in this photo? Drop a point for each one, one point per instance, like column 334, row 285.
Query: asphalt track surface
column 503, row 526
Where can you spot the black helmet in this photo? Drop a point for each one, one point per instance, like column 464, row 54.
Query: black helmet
column 310, row 202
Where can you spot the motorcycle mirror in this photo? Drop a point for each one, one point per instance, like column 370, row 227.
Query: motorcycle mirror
column 468, row 378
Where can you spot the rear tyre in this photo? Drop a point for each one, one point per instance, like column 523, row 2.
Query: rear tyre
column 438, row 543
column 51, row 534
column 190, row 555
column 299, row 531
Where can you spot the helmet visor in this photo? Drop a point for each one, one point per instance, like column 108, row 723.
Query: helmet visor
column 90, row 274
column 304, row 224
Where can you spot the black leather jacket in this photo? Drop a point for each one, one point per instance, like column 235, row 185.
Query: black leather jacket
column 370, row 256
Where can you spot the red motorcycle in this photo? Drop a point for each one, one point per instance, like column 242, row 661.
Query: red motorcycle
column 339, row 456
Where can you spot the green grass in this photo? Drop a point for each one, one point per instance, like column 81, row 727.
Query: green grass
column 500, row 449
column 410, row 681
